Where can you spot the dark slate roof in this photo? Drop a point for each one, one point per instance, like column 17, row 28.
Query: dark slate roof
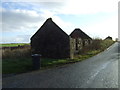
column 78, row 33
column 108, row 38
column 48, row 28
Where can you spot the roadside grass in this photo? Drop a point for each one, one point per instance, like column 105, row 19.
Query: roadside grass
column 20, row 61
column 21, row 65
column 0, row 65
column 106, row 43
column 13, row 44
column 15, row 54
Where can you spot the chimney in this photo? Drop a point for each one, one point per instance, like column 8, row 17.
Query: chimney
column 50, row 19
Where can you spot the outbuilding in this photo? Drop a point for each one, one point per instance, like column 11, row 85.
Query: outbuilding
column 81, row 39
column 51, row 41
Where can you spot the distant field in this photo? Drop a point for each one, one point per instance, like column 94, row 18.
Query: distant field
column 13, row 44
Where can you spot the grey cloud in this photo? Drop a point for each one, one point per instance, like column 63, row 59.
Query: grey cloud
column 35, row 1
column 16, row 39
column 12, row 20
column 23, row 38
column 51, row 5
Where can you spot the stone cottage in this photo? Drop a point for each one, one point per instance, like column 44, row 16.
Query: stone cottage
column 81, row 39
column 52, row 42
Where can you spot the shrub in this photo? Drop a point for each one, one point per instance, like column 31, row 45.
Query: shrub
column 97, row 45
column 16, row 53
column 106, row 43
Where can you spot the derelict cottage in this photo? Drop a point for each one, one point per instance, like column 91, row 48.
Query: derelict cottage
column 81, row 39
column 52, row 42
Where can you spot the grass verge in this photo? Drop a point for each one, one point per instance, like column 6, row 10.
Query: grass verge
column 21, row 65
column 20, row 61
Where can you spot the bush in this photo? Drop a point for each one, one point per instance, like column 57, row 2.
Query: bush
column 97, row 45
column 16, row 53
column 106, row 43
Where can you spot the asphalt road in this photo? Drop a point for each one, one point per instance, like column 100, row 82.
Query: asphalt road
column 100, row 71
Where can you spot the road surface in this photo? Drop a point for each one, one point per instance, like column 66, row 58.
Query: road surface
column 100, row 71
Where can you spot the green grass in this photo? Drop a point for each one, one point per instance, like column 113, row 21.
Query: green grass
column 13, row 44
column 0, row 66
column 20, row 61
column 20, row 65
column 52, row 62
column 16, row 65
column 106, row 43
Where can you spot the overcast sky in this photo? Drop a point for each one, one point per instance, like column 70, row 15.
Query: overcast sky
column 20, row 20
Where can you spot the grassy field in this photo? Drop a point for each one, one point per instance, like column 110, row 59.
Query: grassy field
column 13, row 44
column 19, row 60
